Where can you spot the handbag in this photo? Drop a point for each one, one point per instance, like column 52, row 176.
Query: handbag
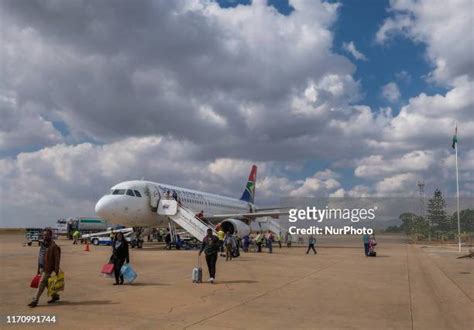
column 35, row 281
column 56, row 283
column 129, row 275
column 107, row 269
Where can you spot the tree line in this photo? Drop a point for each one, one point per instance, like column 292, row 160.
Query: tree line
column 437, row 223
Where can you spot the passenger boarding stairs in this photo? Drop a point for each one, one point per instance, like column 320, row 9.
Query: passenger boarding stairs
column 184, row 217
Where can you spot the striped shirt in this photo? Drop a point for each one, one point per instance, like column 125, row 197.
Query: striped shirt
column 42, row 255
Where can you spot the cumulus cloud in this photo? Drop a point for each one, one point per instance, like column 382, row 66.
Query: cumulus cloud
column 66, row 180
column 189, row 93
column 391, row 92
column 414, row 125
column 320, row 184
column 22, row 125
column 187, row 69
column 399, row 184
column 442, row 26
column 351, row 49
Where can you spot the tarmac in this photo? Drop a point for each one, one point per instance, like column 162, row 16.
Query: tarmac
column 405, row 287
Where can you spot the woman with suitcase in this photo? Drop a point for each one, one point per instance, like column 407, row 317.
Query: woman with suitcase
column 120, row 255
column 210, row 246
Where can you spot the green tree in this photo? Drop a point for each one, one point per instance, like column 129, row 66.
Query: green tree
column 437, row 212
column 466, row 218
column 413, row 224
column 393, row 229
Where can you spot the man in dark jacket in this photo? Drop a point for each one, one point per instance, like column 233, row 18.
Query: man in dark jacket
column 52, row 258
column 119, row 256
column 211, row 246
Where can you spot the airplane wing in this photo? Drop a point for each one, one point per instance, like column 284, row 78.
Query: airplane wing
column 249, row 216
column 274, row 208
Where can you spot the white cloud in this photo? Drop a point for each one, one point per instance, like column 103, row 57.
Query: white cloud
column 322, row 183
column 22, row 125
column 351, row 49
column 397, row 184
column 64, row 180
column 377, row 166
column 415, row 124
column 391, row 92
column 444, row 26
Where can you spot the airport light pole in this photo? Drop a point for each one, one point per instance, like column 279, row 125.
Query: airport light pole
column 457, row 193
column 455, row 147
column 421, row 190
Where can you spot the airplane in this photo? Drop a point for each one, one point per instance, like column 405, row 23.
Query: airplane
column 135, row 204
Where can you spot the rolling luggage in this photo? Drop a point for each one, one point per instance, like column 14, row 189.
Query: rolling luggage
column 197, row 272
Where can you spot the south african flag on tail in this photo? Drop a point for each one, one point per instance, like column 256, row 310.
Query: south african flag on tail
column 249, row 192
column 455, row 138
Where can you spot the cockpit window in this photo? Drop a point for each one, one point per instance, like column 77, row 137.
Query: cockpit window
column 118, row 192
column 137, row 193
column 130, row 193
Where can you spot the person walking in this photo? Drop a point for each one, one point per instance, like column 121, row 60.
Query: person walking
column 168, row 239
column 365, row 239
column 119, row 256
column 229, row 243
column 288, row 239
column 49, row 260
column 311, row 244
column 210, row 246
column 372, row 243
column 269, row 238
column 221, row 236
column 246, row 243
column 279, row 238
column 76, row 235
column 259, row 241
column 238, row 244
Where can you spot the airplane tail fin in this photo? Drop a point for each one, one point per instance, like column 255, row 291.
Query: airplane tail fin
column 249, row 192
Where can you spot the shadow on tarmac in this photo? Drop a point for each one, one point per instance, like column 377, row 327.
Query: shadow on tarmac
column 237, row 282
column 148, row 284
column 84, row 303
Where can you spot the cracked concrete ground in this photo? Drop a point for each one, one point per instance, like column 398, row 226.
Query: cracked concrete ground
column 405, row 287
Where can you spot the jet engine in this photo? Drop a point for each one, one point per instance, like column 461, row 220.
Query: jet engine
column 234, row 225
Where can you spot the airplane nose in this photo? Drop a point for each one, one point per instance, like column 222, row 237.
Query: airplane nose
column 104, row 208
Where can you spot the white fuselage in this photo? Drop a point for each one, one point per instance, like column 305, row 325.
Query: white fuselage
column 131, row 203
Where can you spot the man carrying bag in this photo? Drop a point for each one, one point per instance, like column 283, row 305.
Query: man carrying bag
column 52, row 258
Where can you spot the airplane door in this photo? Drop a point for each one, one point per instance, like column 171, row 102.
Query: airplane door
column 154, row 196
